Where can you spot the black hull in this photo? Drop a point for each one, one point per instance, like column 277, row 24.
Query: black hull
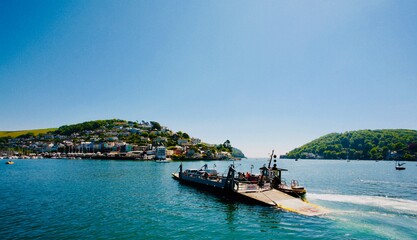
column 206, row 188
column 218, row 191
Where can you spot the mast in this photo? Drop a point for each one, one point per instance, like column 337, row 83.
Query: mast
column 260, row 183
column 270, row 159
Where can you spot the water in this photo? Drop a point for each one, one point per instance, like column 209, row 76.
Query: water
column 92, row 199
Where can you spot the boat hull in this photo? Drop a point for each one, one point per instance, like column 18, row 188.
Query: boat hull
column 294, row 192
column 219, row 189
column 206, row 184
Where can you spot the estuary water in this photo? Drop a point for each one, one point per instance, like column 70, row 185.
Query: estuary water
column 97, row 199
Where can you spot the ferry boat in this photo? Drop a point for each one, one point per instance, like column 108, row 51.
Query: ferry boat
column 266, row 188
column 235, row 181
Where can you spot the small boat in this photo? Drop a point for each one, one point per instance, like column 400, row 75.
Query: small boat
column 399, row 166
column 163, row 160
column 9, row 162
column 206, row 178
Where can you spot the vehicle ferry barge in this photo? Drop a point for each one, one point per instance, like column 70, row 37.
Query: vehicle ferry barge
column 265, row 189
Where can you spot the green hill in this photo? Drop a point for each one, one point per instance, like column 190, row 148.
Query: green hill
column 237, row 153
column 362, row 144
column 116, row 130
column 35, row 132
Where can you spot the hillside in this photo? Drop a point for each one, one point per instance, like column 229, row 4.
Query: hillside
column 111, row 136
column 35, row 132
column 362, row 144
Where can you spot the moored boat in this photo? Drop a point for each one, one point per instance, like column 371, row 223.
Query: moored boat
column 166, row 160
column 399, row 166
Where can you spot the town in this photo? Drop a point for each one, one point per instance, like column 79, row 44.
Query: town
column 114, row 139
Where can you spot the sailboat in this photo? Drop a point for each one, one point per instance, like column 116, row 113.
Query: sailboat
column 399, row 166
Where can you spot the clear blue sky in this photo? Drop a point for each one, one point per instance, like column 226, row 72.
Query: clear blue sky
column 263, row 74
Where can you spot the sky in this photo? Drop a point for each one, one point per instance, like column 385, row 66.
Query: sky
column 263, row 74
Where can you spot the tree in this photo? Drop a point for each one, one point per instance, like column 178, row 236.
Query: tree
column 152, row 135
column 227, row 145
column 155, row 125
column 413, row 147
column 27, row 135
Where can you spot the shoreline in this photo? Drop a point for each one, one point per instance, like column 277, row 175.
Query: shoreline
column 116, row 158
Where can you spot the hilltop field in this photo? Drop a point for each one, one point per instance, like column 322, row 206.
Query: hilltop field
column 35, row 132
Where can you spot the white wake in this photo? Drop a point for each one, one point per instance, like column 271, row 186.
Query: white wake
column 401, row 205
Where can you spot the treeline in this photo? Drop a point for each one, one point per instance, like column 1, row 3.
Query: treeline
column 362, row 144
column 210, row 150
column 87, row 126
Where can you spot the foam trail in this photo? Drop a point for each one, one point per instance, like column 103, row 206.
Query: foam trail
column 402, row 205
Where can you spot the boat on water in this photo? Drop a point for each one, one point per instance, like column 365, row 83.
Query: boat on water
column 9, row 162
column 167, row 160
column 399, row 166
column 266, row 188
column 206, row 178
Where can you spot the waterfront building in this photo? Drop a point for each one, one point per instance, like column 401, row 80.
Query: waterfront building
column 161, row 153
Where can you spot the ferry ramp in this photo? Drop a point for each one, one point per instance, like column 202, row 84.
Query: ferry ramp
column 286, row 202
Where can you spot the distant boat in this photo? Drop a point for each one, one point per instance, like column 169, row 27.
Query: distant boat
column 9, row 162
column 163, row 160
column 399, row 166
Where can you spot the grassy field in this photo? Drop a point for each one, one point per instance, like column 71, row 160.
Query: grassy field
column 21, row 132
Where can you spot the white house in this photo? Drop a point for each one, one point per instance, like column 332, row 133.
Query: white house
column 161, row 153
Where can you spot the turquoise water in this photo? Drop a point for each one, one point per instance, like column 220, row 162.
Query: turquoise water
column 93, row 199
